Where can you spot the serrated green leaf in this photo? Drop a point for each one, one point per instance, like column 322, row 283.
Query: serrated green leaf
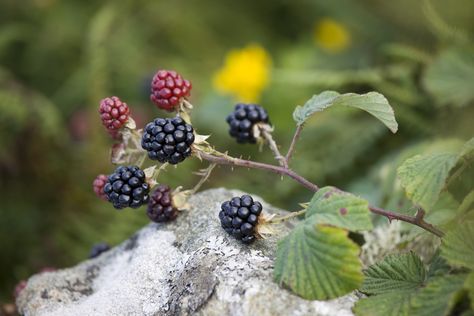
column 438, row 266
column 318, row 262
column 424, row 176
column 332, row 206
column 449, row 78
column 394, row 273
column 372, row 102
column 469, row 286
column 437, row 298
column 457, row 246
column 389, row 304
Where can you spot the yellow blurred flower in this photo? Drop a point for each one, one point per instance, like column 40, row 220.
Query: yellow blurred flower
column 245, row 73
column 331, row 35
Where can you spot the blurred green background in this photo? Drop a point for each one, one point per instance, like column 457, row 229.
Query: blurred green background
column 58, row 59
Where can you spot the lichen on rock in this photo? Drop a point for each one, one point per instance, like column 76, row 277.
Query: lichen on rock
column 187, row 267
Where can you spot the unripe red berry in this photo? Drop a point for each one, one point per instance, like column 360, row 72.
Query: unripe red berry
column 18, row 288
column 114, row 114
column 168, row 89
column 98, row 186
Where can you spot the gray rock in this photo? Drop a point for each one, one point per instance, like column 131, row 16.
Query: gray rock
column 188, row 267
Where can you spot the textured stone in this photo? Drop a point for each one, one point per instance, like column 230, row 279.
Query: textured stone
column 187, row 267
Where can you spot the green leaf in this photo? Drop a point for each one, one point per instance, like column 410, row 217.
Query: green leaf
column 438, row 266
column 467, row 203
column 332, row 206
column 317, row 103
column 449, row 78
column 394, row 273
column 438, row 297
column 388, row 304
column 424, row 176
column 467, row 150
column 372, row 102
column 457, row 247
column 469, row 286
column 318, row 262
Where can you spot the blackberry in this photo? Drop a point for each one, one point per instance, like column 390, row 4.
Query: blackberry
column 168, row 89
column 239, row 217
column 160, row 207
column 98, row 185
column 114, row 114
column 243, row 119
column 98, row 249
column 126, row 187
column 168, row 140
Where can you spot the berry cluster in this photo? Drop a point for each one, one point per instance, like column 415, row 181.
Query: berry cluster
column 99, row 184
column 126, row 187
column 239, row 217
column 168, row 140
column 160, row 207
column 168, row 89
column 243, row 119
column 114, row 114
column 98, row 249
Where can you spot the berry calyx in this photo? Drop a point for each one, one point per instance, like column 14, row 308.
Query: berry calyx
column 243, row 120
column 160, row 207
column 98, row 185
column 98, row 249
column 168, row 140
column 127, row 187
column 168, row 89
column 239, row 217
column 114, row 114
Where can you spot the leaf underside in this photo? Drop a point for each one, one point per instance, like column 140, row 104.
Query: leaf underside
column 374, row 103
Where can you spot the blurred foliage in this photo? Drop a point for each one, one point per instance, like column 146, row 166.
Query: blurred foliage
column 58, row 59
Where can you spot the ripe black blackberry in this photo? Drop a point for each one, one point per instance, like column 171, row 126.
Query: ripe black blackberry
column 126, row 187
column 160, row 207
column 239, row 217
column 98, row 249
column 243, row 120
column 168, row 140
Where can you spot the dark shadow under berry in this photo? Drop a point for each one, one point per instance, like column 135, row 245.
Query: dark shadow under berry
column 98, row 249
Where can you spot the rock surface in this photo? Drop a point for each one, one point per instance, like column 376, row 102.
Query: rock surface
column 188, row 267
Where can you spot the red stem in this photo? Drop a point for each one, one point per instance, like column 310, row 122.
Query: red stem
column 227, row 160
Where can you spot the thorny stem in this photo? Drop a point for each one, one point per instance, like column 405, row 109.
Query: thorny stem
column 224, row 159
column 417, row 220
column 274, row 147
column 296, row 136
